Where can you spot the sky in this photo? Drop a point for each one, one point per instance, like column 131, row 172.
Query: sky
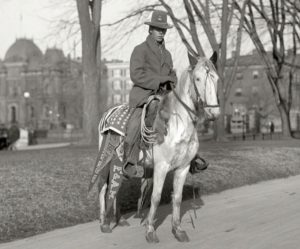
column 38, row 19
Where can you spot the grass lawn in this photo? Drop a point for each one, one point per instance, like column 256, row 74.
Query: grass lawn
column 47, row 189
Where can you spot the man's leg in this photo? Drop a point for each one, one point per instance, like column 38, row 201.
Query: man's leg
column 151, row 113
column 131, row 144
column 156, row 108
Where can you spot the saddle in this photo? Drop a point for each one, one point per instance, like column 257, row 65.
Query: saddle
column 153, row 126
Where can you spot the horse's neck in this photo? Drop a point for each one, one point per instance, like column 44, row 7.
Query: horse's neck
column 183, row 91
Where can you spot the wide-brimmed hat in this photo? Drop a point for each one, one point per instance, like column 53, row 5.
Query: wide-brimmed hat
column 159, row 20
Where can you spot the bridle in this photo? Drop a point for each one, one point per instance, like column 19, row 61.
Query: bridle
column 200, row 103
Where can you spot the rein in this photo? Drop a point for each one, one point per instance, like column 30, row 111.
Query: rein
column 189, row 110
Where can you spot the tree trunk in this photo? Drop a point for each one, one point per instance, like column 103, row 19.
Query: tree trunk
column 219, row 131
column 90, row 104
column 286, row 123
column 90, row 36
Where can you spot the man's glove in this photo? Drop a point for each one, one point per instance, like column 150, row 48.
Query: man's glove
column 165, row 79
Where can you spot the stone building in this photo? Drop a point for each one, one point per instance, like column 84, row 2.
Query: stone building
column 118, row 82
column 251, row 96
column 39, row 90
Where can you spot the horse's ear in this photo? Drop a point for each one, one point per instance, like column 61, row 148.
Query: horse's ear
column 214, row 58
column 192, row 59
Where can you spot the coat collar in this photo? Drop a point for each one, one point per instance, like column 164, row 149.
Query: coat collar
column 155, row 48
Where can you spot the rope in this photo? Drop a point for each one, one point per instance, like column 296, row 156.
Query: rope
column 148, row 135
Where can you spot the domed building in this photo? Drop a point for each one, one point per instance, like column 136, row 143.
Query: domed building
column 35, row 87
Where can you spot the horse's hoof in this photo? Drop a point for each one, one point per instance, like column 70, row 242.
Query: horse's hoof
column 180, row 235
column 123, row 223
column 105, row 228
column 151, row 237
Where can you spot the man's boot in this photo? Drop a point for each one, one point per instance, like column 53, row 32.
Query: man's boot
column 130, row 167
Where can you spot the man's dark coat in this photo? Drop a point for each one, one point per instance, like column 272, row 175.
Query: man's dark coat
column 150, row 65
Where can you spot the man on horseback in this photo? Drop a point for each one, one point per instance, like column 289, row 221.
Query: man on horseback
column 151, row 67
column 151, row 71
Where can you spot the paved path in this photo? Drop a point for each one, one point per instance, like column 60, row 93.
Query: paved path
column 261, row 216
column 44, row 146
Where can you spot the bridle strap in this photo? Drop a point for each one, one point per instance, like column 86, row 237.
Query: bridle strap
column 189, row 110
column 201, row 103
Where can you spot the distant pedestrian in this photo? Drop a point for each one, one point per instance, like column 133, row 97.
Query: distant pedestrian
column 272, row 127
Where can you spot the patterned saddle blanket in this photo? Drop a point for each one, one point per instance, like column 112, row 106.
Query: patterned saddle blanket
column 116, row 119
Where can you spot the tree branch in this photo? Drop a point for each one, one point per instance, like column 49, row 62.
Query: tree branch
column 134, row 13
column 229, row 82
column 207, row 28
column 178, row 28
column 193, row 29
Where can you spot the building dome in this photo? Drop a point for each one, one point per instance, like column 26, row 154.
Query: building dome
column 2, row 68
column 23, row 50
column 54, row 55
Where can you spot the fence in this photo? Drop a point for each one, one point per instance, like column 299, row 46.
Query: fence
column 255, row 136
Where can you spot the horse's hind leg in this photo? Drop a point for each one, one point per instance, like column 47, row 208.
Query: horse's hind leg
column 159, row 177
column 146, row 184
column 179, row 179
column 104, row 222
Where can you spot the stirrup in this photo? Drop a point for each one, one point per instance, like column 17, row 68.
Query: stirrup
column 138, row 173
column 198, row 164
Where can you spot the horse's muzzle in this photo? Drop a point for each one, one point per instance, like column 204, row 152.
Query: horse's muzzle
column 212, row 113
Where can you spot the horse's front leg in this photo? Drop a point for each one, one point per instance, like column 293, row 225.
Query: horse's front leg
column 160, row 172
column 179, row 179
column 104, row 222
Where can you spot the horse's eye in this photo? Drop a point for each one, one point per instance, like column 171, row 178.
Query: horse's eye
column 197, row 79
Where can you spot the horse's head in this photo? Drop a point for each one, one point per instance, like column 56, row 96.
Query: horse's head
column 205, row 84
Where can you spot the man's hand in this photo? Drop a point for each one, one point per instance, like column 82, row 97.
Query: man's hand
column 168, row 85
column 165, row 79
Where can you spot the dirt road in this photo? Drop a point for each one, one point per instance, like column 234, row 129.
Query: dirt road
column 265, row 215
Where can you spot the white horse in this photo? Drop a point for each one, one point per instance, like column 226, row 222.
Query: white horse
column 195, row 94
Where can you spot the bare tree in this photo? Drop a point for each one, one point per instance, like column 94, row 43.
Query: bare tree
column 89, row 12
column 195, row 22
column 281, row 20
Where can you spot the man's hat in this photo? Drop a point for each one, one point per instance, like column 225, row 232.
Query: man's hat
column 159, row 20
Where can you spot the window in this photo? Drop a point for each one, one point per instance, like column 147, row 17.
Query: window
column 13, row 114
column 254, row 90
column 117, row 72
column 255, row 74
column 15, row 91
column 32, row 114
column 127, row 72
column 46, row 111
column 117, row 99
column 127, row 98
column 239, row 76
column 238, row 92
column 117, row 85
column 128, row 84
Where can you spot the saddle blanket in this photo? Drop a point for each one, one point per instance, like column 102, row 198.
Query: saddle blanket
column 116, row 119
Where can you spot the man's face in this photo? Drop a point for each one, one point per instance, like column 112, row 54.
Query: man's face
column 158, row 34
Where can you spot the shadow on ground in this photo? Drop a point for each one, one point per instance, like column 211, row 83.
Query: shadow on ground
column 130, row 193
